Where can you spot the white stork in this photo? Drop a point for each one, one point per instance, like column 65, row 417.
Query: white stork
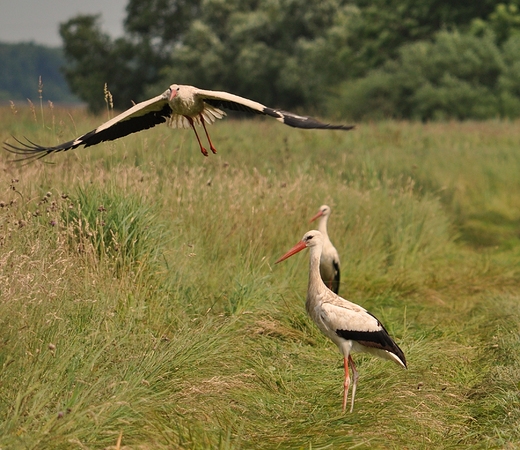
column 181, row 107
column 351, row 327
column 329, row 261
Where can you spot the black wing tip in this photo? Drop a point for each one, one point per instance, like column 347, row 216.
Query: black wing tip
column 396, row 350
column 339, row 127
column 305, row 122
column 379, row 339
column 30, row 151
column 313, row 124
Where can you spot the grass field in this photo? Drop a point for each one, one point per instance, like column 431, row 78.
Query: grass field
column 140, row 307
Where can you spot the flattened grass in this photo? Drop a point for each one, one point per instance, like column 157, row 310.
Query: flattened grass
column 138, row 295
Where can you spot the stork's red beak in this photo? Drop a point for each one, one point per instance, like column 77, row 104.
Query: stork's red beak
column 173, row 94
column 320, row 213
column 297, row 248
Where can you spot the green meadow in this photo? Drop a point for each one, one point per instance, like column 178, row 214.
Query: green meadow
column 140, row 306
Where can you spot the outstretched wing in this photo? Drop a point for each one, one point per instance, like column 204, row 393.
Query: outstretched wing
column 140, row 117
column 234, row 102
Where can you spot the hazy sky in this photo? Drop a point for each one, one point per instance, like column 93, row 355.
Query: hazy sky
column 38, row 20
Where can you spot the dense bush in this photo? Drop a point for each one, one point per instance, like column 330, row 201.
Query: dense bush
column 457, row 75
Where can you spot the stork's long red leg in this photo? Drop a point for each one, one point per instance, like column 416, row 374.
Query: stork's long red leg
column 355, row 377
column 346, row 384
column 213, row 149
column 202, row 149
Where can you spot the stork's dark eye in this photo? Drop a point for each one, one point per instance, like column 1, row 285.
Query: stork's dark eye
column 309, row 237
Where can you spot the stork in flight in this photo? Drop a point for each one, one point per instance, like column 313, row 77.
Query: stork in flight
column 180, row 106
column 329, row 261
column 351, row 327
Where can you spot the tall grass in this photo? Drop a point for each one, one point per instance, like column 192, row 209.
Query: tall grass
column 118, row 226
column 139, row 298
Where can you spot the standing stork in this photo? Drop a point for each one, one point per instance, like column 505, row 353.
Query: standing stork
column 351, row 327
column 329, row 261
column 180, row 106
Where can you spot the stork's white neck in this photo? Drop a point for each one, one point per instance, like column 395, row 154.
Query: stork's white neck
column 316, row 284
column 322, row 226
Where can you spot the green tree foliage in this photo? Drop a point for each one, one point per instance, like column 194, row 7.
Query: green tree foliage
column 503, row 22
column 262, row 50
column 161, row 22
column 286, row 51
column 457, row 75
column 94, row 59
column 509, row 80
column 461, row 75
column 386, row 25
column 423, row 59
column 130, row 64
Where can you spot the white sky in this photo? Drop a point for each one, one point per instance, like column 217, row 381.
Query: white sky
column 38, row 20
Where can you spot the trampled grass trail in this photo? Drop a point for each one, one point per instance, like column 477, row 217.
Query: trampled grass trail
column 140, row 307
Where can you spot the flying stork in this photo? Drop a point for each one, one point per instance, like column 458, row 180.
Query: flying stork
column 329, row 261
column 351, row 327
column 180, row 106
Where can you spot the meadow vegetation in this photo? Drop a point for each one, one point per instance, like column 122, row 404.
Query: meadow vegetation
column 140, row 307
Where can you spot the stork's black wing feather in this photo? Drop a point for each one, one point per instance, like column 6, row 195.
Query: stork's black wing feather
column 337, row 276
column 233, row 106
column 128, row 126
column 376, row 339
column 296, row 121
column 240, row 104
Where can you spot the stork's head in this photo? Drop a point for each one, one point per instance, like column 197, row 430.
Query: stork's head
column 324, row 211
column 310, row 239
column 174, row 91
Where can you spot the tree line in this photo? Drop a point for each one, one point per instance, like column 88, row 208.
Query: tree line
column 358, row 59
column 27, row 68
